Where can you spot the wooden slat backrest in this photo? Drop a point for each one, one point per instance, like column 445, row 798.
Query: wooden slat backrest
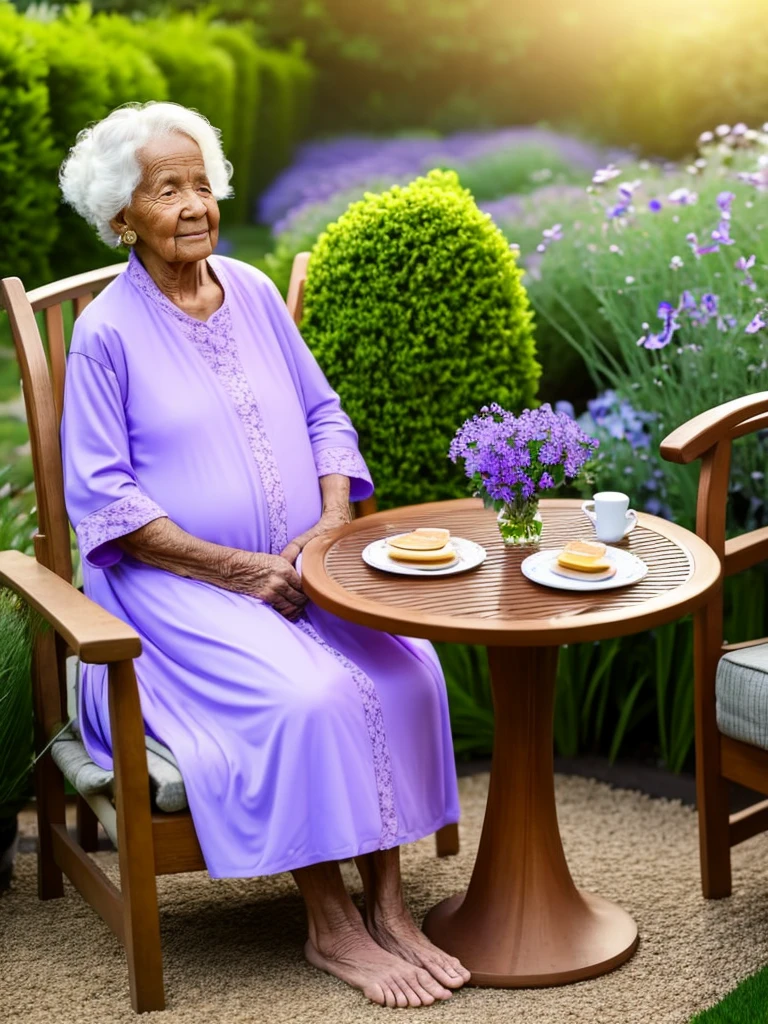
column 43, row 388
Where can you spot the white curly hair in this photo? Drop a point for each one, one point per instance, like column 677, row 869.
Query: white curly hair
column 99, row 176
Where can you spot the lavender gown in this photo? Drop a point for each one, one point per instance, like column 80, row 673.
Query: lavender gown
column 298, row 742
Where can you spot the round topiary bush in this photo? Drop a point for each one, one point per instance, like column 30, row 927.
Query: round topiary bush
column 415, row 310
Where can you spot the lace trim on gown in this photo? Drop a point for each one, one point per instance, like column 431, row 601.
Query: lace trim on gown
column 214, row 339
column 347, row 461
column 115, row 520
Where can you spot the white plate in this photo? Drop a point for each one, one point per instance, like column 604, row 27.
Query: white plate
column 469, row 556
column 629, row 569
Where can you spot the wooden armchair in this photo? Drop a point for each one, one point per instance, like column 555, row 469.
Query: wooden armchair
column 149, row 842
column 731, row 680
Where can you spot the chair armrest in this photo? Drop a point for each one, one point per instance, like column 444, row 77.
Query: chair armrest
column 92, row 633
column 698, row 435
column 746, row 551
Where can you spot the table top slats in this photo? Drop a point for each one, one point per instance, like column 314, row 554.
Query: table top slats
column 496, row 594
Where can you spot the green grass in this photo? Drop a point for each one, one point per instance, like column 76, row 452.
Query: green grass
column 747, row 1004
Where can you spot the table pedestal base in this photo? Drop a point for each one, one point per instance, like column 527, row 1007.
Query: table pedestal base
column 598, row 938
column 522, row 921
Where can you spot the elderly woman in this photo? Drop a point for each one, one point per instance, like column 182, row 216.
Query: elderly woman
column 203, row 448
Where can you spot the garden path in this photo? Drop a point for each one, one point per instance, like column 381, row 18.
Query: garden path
column 233, row 947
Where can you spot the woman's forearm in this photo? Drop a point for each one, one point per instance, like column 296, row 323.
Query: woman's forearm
column 335, row 490
column 165, row 545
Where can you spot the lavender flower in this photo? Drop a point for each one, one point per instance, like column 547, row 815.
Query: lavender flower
column 757, row 323
column 722, row 233
column 655, row 205
column 620, row 420
column 745, row 265
column 510, row 458
column 625, row 191
column 322, row 169
column 550, row 235
column 668, row 314
column 683, row 197
column 605, row 174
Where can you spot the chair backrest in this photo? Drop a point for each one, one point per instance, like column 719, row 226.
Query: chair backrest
column 295, row 299
column 43, row 370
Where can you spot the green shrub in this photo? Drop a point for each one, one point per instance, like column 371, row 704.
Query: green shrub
column 415, row 310
column 237, row 42
column 199, row 74
column 87, row 77
column 285, row 84
column 304, row 230
column 28, row 198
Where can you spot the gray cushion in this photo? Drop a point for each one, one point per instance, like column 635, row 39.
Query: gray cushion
column 742, row 695
column 166, row 783
column 75, row 763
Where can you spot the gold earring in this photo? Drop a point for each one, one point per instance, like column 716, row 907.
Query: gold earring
column 129, row 237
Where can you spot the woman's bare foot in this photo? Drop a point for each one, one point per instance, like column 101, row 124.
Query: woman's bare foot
column 339, row 943
column 400, row 935
column 390, row 923
column 352, row 955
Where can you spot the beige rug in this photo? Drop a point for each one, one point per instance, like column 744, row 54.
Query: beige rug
column 233, row 948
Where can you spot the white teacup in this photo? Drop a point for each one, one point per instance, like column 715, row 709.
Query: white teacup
column 611, row 515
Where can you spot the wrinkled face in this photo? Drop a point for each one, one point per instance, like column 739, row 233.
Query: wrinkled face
column 173, row 210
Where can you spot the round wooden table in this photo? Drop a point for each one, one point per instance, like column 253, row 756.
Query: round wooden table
column 521, row 921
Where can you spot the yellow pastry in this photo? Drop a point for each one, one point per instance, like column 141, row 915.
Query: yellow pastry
column 582, row 563
column 423, row 539
column 446, row 553
column 589, row 548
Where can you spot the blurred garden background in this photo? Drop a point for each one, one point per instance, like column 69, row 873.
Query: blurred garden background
column 621, row 152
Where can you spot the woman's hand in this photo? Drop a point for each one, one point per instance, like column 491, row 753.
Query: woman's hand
column 269, row 577
column 336, row 515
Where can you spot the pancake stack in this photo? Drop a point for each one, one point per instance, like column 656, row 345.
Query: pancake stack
column 584, row 559
column 427, row 547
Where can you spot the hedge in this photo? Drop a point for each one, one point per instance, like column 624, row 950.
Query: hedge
column 29, row 196
column 415, row 309
column 87, row 76
column 285, row 83
column 56, row 77
column 240, row 144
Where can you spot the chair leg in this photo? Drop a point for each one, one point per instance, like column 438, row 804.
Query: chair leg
column 714, row 836
column 49, row 796
column 142, row 939
column 135, row 849
column 711, row 787
column 87, row 827
column 447, row 840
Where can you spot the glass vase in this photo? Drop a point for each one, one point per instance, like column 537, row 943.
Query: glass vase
column 520, row 523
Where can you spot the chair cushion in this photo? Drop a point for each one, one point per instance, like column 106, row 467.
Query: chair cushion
column 166, row 783
column 69, row 753
column 742, row 695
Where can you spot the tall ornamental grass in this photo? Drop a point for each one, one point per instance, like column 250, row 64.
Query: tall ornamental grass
column 17, row 624
column 660, row 284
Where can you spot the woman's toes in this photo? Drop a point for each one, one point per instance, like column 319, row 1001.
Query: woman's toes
column 442, row 973
column 414, row 997
column 400, row 997
column 426, row 982
column 376, row 993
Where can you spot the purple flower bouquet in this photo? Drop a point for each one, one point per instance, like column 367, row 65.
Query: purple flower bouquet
column 512, row 459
